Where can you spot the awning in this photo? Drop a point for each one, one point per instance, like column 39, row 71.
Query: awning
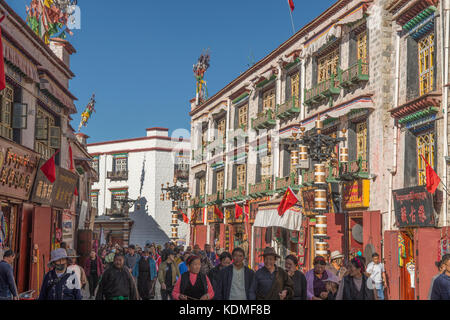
column 291, row 219
column 340, row 110
column 19, row 60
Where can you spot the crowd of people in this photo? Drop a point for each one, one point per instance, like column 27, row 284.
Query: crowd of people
column 131, row 273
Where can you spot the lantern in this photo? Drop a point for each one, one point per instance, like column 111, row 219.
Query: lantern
column 319, row 173
column 174, row 219
column 161, row 197
column 343, row 155
column 174, row 232
column 303, row 153
column 167, row 196
column 320, row 199
column 319, row 124
column 322, row 249
column 294, row 158
column 320, row 229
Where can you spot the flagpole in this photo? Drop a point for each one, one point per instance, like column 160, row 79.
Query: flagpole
column 445, row 188
column 292, row 19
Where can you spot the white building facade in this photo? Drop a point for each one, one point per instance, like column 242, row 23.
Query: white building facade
column 135, row 169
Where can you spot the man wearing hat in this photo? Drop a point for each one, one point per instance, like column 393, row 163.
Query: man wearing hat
column 58, row 283
column 271, row 282
column 336, row 265
column 79, row 271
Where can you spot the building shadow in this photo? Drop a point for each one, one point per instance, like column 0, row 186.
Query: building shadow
column 145, row 228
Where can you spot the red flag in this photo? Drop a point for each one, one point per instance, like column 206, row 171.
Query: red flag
column 218, row 212
column 76, row 191
column 289, row 199
column 185, row 218
column 291, row 5
column 433, row 179
column 237, row 211
column 49, row 168
column 2, row 62
column 72, row 168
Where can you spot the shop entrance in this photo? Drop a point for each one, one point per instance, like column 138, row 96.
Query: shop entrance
column 406, row 261
column 8, row 220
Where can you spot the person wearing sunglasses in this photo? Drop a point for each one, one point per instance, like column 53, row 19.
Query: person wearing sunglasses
column 316, row 288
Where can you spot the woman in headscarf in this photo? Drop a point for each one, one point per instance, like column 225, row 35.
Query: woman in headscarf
column 356, row 285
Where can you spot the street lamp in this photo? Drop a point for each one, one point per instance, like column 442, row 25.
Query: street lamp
column 319, row 148
column 176, row 193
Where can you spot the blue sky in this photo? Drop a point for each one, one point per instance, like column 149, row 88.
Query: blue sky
column 137, row 56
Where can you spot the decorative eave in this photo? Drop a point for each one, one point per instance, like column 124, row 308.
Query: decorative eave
column 56, row 89
column 404, row 10
column 294, row 54
column 239, row 93
column 428, row 100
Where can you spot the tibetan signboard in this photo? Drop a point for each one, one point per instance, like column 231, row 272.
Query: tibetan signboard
column 18, row 167
column 356, row 194
column 58, row 194
column 413, row 207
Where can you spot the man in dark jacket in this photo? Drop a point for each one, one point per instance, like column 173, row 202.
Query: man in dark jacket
column 8, row 290
column 235, row 280
column 131, row 257
column 58, row 284
column 271, row 282
column 213, row 275
column 441, row 286
column 117, row 283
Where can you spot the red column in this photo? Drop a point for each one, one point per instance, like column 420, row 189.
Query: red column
column 24, row 248
column 372, row 230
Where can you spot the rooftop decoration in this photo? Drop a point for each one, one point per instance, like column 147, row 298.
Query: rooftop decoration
column 48, row 18
column 199, row 73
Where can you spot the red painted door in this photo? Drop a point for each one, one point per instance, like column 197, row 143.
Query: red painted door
column 372, row 230
column 391, row 264
column 41, row 244
column 24, row 248
column 201, row 234
column 336, row 230
column 426, row 244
